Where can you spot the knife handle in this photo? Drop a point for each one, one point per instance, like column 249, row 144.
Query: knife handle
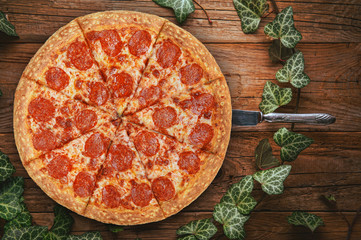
column 307, row 118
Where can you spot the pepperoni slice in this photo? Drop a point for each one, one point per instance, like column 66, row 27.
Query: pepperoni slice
column 199, row 103
column 189, row 161
column 122, row 84
column 56, row 78
column 86, row 120
column 59, row 166
column 163, row 189
column 164, row 117
column 146, row 143
column 139, row 43
column 149, row 95
column 98, row 93
column 84, row 184
column 79, row 55
column 95, row 146
column 141, row 194
column 126, row 202
column 168, row 54
column 201, row 135
column 111, row 196
column 41, row 109
column 191, row 74
column 44, row 140
column 121, row 157
column 111, row 43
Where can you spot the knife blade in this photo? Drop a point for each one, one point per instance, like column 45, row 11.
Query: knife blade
column 252, row 118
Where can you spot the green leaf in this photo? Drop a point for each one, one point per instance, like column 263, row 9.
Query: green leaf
column 239, row 195
column 231, row 219
column 25, row 233
column 189, row 237
column 115, row 228
column 272, row 179
column 309, row 220
column 62, row 224
column 283, row 28
column 10, row 193
column 202, row 229
column 23, row 219
column 330, row 198
column 291, row 143
column 86, row 236
column 264, row 158
column 250, row 13
column 181, row 8
column 278, row 52
column 273, row 97
column 6, row 168
column 292, row 71
column 6, row 26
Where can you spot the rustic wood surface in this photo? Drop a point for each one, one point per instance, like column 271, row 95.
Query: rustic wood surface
column 332, row 48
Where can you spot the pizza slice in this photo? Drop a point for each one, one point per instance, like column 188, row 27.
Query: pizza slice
column 123, row 195
column 179, row 62
column 68, row 174
column 200, row 117
column 65, row 64
column 179, row 173
column 121, row 43
column 45, row 119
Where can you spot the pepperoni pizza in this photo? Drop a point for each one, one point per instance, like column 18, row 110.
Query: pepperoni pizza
column 122, row 117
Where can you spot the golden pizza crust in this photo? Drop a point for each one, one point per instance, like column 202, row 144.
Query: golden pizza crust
column 111, row 19
column 38, row 65
column 52, row 188
column 23, row 135
column 124, row 216
column 197, row 185
column 193, row 46
column 223, row 123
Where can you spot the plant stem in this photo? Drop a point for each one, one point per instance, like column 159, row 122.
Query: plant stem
column 297, row 104
column 349, row 232
column 204, row 10
column 275, row 8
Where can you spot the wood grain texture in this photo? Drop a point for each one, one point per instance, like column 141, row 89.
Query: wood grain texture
column 331, row 45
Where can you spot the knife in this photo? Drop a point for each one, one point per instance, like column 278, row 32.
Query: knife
column 252, row 118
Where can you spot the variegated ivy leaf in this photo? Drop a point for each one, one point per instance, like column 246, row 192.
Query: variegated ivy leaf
column 239, row 195
column 6, row 26
column 202, row 229
column 6, row 168
column 283, row 28
column 264, row 156
column 231, row 219
column 62, row 224
column 86, row 236
column 115, row 228
column 25, row 233
column 23, row 219
column 309, row 220
column 10, row 193
column 291, row 143
column 292, row 71
column 273, row 97
column 272, row 179
column 181, row 8
column 277, row 52
column 250, row 13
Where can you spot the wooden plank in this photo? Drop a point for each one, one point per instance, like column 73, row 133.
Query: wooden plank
column 319, row 21
column 337, row 89
column 262, row 225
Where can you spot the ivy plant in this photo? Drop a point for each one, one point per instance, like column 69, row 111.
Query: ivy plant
column 291, row 143
column 292, row 71
column 308, row 220
column 272, row 179
column 181, row 8
column 273, row 97
column 6, row 26
column 197, row 230
column 264, row 157
column 250, row 13
column 6, row 168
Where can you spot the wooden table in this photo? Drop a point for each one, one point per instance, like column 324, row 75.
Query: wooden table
column 332, row 48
